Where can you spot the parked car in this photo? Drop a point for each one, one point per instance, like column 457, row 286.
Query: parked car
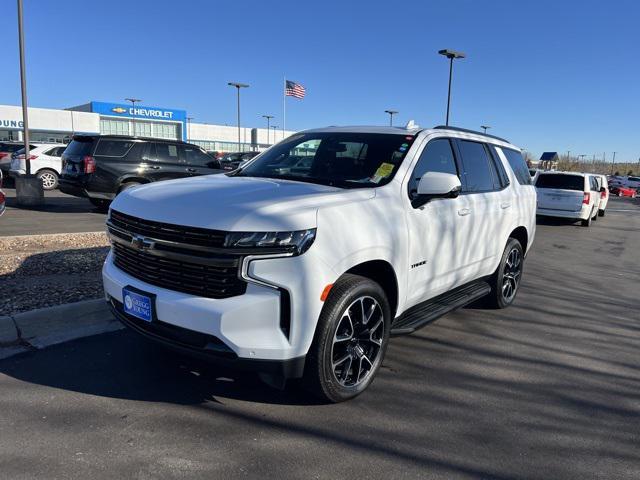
column 231, row 161
column 307, row 273
column 99, row 167
column 46, row 163
column 603, row 187
column 568, row 195
column 2, row 197
column 620, row 191
column 632, row 182
column 6, row 150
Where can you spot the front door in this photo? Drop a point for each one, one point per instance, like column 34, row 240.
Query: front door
column 438, row 230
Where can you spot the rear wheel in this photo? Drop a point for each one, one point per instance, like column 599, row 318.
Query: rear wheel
column 49, row 179
column 506, row 279
column 587, row 222
column 127, row 186
column 350, row 341
column 601, row 213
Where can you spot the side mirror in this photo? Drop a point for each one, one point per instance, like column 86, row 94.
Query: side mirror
column 436, row 185
column 602, row 189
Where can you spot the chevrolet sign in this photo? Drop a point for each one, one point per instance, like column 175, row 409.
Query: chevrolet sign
column 119, row 110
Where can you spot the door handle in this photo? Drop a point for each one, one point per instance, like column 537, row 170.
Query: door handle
column 505, row 204
column 463, row 212
column 191, row 169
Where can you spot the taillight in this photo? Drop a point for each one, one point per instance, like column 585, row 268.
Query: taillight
column 89, row 164
column 587, row 198
column 22, row 157
column 603, row 194
column 3, row 154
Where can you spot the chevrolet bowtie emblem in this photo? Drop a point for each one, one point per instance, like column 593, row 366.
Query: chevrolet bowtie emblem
column 141, row 243
column 119, row 110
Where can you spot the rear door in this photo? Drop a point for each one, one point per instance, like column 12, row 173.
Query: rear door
column 559, row 191
column 164, row 161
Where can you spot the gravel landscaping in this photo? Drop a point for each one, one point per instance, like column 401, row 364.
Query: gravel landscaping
column 39, row 271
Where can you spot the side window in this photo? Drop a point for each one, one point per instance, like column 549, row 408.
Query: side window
column 437, row 156
column 195, row 156
column 167, row 153
column 60, row 151
column 52, row 152
column 479, row 171
column 113, row 148
column 518, row 165
column 502, row 177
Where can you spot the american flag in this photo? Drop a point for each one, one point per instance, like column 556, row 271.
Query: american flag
column 293, row 89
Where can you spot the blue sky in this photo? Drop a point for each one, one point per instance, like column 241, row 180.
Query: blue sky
column 548, row 75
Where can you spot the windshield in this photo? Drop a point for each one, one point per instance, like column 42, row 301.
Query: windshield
column 346, row 160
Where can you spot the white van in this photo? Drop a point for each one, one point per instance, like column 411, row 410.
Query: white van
column 568, row 195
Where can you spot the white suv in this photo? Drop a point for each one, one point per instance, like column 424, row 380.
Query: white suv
column 302, row 263
column 46, row 163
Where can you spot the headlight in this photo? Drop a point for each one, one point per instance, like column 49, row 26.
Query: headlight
column 297, row 242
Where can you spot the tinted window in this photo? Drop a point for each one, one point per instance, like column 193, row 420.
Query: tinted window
column 79, row 147
column 55, row 152
column 503, row 178
column 436, row 157
column 113, row 148
column 195, row 156
column 479, row 171
column 560, row 181
column 519, row 166
column 167, row 152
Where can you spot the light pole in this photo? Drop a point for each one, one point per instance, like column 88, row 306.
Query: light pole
column 275, row 127
column 485, row 127
column 613, row 164
column 238, row 86
column 268, row 117
column 189, row 119
column 391, row 114
column 29, row 190
column 451, row 55
column 133, row 111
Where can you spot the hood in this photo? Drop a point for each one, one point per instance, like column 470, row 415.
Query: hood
column 235, row 203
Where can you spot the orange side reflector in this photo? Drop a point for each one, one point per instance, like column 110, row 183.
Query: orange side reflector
column 325, row 292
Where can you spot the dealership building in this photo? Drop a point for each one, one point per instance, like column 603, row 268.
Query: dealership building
column 58, row 126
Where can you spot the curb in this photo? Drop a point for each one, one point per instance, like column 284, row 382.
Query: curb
column 44, row 327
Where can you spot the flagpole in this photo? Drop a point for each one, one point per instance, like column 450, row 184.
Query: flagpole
column 284, row 106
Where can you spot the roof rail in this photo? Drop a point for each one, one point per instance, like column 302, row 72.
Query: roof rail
column 466, row 130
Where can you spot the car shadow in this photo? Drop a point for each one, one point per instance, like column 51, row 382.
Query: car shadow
column 55, row 202
column 133, row 368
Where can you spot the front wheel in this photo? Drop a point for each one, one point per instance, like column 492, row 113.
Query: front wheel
column 350, row 341
column 506, row 279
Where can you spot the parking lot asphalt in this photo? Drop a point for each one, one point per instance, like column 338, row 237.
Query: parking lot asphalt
column 546, row 389
column 61, row 213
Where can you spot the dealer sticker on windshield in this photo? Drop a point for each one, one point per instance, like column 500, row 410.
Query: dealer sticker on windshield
column 382, row 172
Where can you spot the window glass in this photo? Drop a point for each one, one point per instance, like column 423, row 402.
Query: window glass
column 78, row 147
column 341, row 159
column 436, row 157
column 113, row 148
column 502, row 177
column 518, row 165
column 195, row 156
column 560, row 181
column 479, row 171
column 167, row 152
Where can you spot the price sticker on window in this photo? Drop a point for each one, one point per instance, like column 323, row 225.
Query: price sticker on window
column 382, row 172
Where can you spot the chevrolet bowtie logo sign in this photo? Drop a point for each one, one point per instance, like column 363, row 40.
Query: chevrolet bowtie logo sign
column 119, row 110
column 141, row 243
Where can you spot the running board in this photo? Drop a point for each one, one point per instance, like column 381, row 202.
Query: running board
column 426, row 312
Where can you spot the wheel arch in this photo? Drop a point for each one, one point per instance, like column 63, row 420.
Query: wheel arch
column 381, row 272
column 520, row 233
column 132, row 179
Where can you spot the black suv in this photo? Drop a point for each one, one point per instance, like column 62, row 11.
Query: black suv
column 100, row 166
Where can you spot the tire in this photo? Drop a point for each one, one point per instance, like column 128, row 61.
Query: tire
column 509, row 272
column 127, row 186
column 100, row 203
column 49, row 179
column 601, row 213
column 347, row 351
column 587, row 222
